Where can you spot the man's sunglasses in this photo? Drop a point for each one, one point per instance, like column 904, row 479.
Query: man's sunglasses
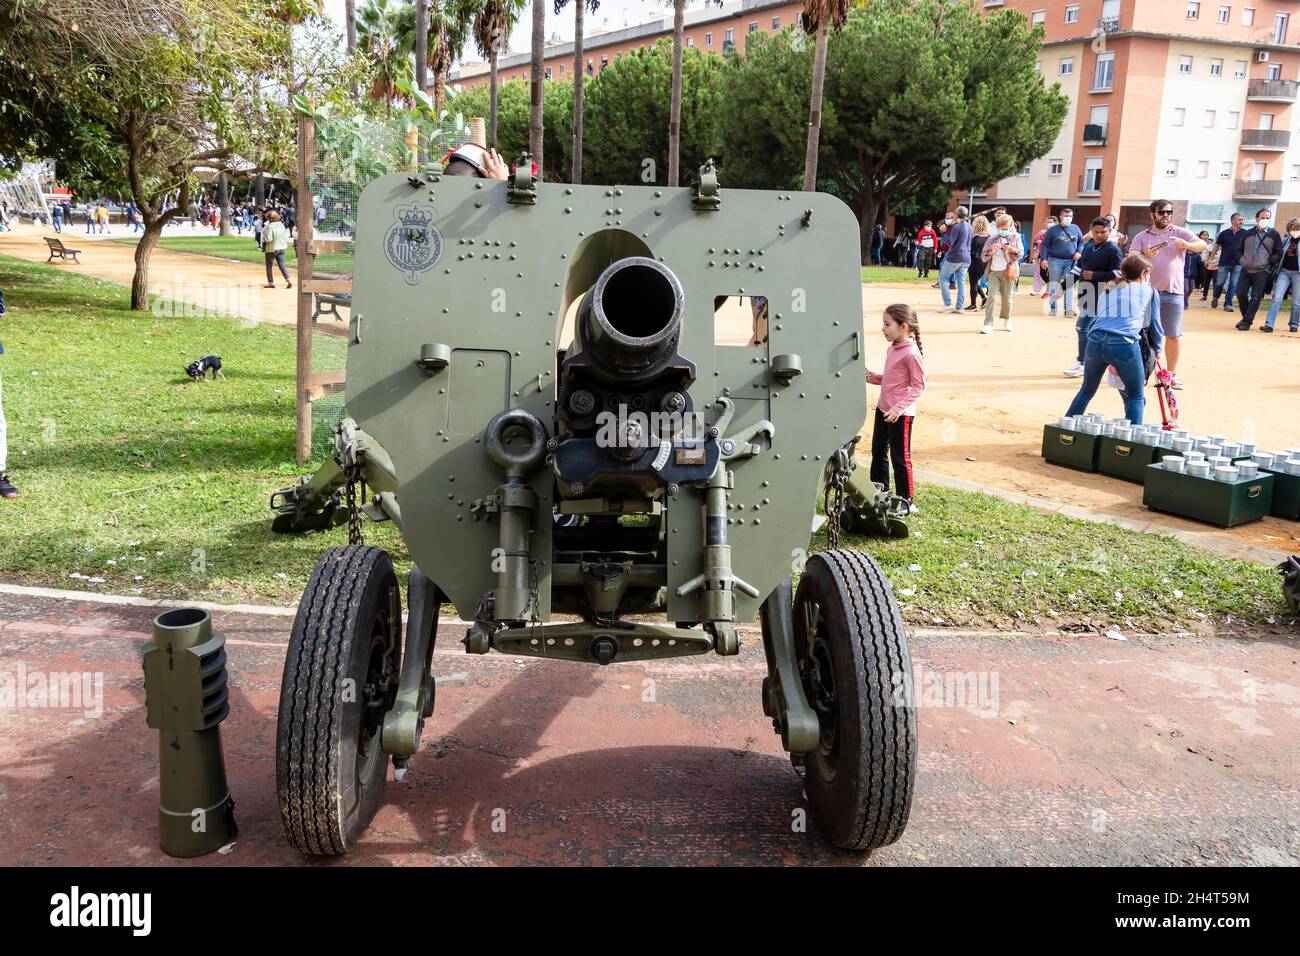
column 1164, row 212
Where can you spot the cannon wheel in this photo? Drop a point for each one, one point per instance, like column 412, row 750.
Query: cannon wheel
column 857, row 674
column 340, row 677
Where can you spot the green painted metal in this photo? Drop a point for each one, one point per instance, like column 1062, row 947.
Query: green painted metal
column 1072, row 449
column 1286, row 495
column 186, row 698
column 1223, row 503
column 1126, row 459
column 459, row 298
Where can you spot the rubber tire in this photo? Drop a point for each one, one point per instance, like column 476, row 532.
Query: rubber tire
column 323, row 804
column 864, row 803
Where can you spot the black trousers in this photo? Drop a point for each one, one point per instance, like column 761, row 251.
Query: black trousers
column 924, row 260
column 896, row 439
column 1256, row 285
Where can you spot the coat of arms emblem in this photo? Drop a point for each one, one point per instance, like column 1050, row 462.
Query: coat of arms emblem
column 412, row 244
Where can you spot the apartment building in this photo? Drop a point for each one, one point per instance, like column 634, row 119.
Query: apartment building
column 1186, row 100
column 708, row 26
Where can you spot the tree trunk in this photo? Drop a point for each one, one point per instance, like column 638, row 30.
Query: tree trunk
column 439, row 92
column 259, row 190
column 492, row 99
column 675, row 107
column 579, row 77
column 866, row 228
column 421, row 66
column 223, row 203
column 815, row 106
column 350, row 22
column 143, row 249
column 535, row 82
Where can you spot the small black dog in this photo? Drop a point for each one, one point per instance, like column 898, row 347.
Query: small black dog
column 199, row 368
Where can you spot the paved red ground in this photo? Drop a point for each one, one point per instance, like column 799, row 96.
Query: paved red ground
column 1167, row 750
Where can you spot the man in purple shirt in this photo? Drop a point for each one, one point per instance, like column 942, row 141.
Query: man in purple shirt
column 1167, row 245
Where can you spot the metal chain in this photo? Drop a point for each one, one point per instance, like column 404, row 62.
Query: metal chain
column 533, row 608
column 355, row 534
column 834, row 506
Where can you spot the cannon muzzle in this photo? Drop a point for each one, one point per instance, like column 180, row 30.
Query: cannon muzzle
column 631, row 320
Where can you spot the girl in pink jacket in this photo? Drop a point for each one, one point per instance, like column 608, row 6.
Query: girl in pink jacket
column 901, row 384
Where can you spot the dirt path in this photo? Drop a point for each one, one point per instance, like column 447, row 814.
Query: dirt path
column 989, row 396
column 219, row 286
column 1072, row 751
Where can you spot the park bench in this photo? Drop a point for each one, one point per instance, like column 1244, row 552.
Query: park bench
column 60, row 251
column 327, row 303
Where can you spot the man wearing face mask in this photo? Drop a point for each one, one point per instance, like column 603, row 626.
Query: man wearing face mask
column 1288, row 277
column 956, row 262
column 1167, row 245
column 1261, row 252
column 1228, row 246
column 1062, row 247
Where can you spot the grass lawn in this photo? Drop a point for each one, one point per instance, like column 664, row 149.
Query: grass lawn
column 243, row 249
column 896, row 274
column 127, row 468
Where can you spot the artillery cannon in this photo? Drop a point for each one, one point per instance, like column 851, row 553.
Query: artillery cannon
column 602, row 403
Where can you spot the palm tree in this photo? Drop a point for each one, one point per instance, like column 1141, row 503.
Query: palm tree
column 579, row 76
column 377, row 35
column 818, row 16
column 493, row 21
column 350, row 23
column 446, row 35
column 675, row 105
column 535, row 125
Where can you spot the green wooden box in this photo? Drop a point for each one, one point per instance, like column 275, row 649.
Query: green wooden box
column 1218, row 502
column 1286, row 494
column 1072, row 449
column 1127, row 459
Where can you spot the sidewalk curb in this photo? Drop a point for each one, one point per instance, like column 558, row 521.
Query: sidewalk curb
column 1195, row 539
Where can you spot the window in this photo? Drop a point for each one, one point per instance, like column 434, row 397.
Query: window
column 1067, row 66
column 1208, row 121
column 1265, row 121
column 1171, row 169
column 1055, row 167
column 604, row 62
column 1180, row 115
column 1184, row 64
column 776, row 23
column 690, row 41
column 1225, row 14
column 1104, row 76
column 1100, row 116
column 1037, row 18
column 1216, row 68
column 1091, row 175
column 1234, row 119
column 1225, row 170
column 1275, row 71
column 1072, row 13
column 1295, row 172
column 1279, row 27
column 1023, row 172
column 1258, row 172
column 561, row 69
column 1239, row 70
column 1248, row 17
column 548, row 72
column 708, row 39
column 753, row 26
column 1193, row 9
column 1203, row 169
column 1110, row 15
column 731, row 36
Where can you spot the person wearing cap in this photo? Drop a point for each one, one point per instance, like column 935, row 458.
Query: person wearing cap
column 471, row 159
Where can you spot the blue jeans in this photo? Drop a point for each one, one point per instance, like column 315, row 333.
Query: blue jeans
column 1286, row 279
column 1109, row 348
column 1226, row 276
column 1057, row 270
column 1081, row 331
column 947, row 271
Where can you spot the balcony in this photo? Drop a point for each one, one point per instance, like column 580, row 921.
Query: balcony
column 1257, row 189
column 1094, row 134
column 1108, row 25
column 1090, row 184
column 1270, row 140
column 1272, row 91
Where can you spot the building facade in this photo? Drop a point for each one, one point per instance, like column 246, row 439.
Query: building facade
column 1186, row 100
column 709, row 27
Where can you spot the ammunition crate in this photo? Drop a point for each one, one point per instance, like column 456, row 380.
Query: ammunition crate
column 1071, row 449
column 1222, row 503
column 1286, row 494
column 1127, row 459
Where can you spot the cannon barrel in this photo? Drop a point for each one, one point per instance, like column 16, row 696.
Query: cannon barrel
column 631, row 320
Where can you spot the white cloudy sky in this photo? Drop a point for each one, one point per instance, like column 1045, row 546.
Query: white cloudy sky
column 612, row 15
